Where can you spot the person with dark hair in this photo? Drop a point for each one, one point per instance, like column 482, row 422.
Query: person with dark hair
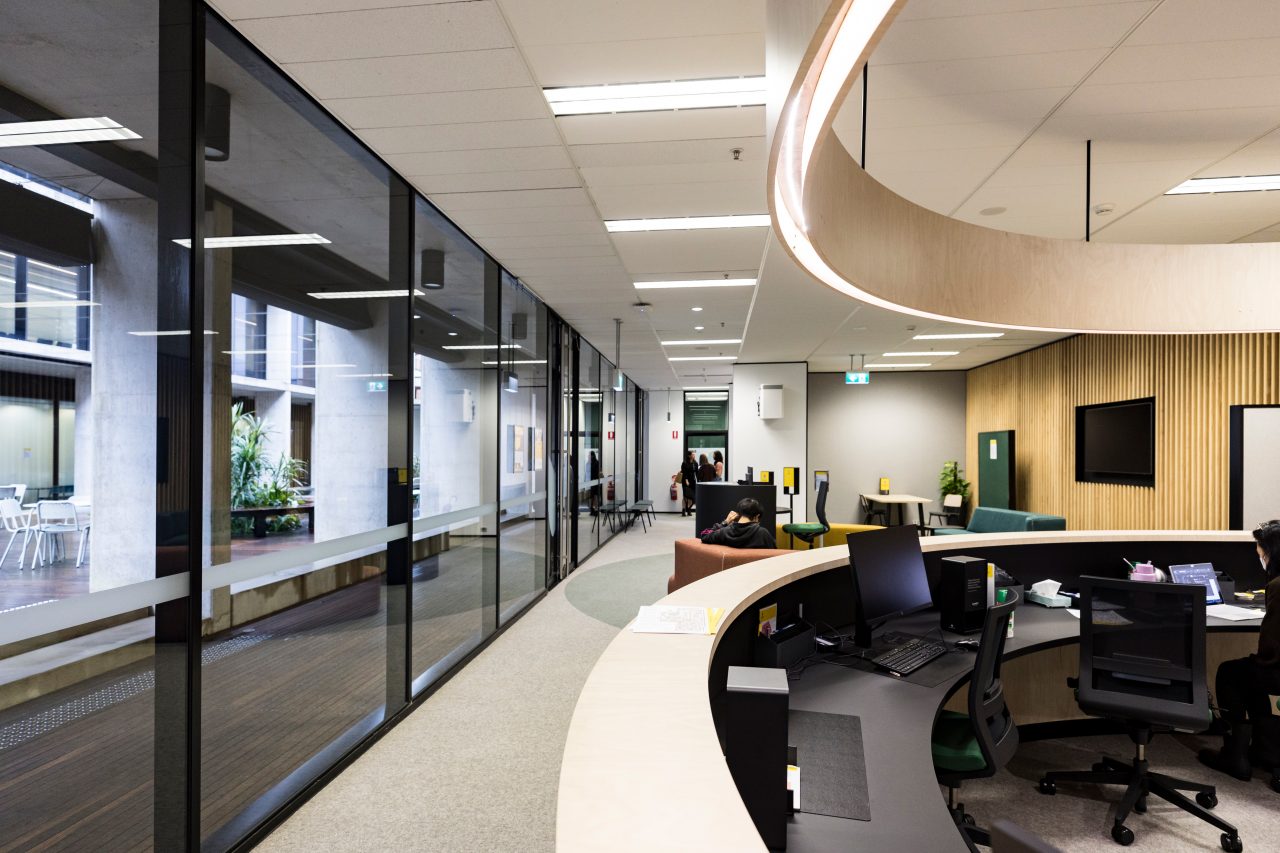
column 688, row 482
column 741, row 528
column 718, row 458
column 706, row 471
column 1244, row 686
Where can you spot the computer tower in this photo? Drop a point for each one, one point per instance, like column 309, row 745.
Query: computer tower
column 966, row 588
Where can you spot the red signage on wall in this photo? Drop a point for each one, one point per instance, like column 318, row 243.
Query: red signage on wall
column 611, row 435
column 675, row 433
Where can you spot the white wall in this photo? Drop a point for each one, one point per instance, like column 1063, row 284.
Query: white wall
column 1261, row 488
column 902, row 426
column 663, row 453
column 769, row 445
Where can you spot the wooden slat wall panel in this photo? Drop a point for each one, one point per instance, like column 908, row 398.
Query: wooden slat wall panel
column 1195, row 380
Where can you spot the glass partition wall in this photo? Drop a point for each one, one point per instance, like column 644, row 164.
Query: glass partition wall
column 281, row 444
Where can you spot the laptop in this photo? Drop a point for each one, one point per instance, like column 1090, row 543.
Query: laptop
column 1201, row 573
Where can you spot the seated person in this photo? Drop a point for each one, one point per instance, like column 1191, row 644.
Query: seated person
column 741, row 528
column 1245, row 686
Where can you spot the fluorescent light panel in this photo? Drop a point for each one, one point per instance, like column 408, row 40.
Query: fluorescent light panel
column 258, row 240
column 958, row 336
column 670, row 95
column 712, row 282
column 704, row 358
column 364, row 294
column 169, row 333
column 364, row 376
column 902, row 364
column 517, row 361
column 1240, row 184
column 711, row 341
column 707, row 388
column 939, row 352
column 44, row 303
column 688, row 223
column 60, row 131
column 482, row 346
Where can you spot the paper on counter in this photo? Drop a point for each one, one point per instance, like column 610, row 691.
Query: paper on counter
column 665, row 619
column 1047, row 588
column 1074, row 612
column 1232, row 613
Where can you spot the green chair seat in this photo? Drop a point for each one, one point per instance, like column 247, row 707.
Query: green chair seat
column 803, row 528
column 954, row 746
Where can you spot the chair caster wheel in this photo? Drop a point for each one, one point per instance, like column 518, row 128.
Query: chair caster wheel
column 1207, row 800
column 1140, row 807
column 1232, row 843
column 1048, row 787
column 969, row 820
column 1123, row 835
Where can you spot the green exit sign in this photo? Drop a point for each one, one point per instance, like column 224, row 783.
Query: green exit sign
column 857, row 377
column 376, row 385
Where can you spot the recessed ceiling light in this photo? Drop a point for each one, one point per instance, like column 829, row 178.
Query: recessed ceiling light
column 364, row 376
column 696, row 308
column 706, row 388
column 49, row 303
column 712, row 282
column 482, row 346
column 169, row 333
column 698, row 328
column 517, row 361
column 702, row 341
column 59, row 131
column 992, row 211
column 688, row 223
column 1241, row 184
column 363, row 294
column 453, row 334
column 672, row 95
column 258, row 240
column 704, row 358
column 930, row 352
column 959, row 336
column 902, row 364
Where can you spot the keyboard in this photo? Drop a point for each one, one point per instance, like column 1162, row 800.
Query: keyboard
column 906, row 658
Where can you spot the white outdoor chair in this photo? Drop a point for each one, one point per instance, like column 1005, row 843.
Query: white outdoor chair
column 15, row 521
column 19, row 491
column 55, row 519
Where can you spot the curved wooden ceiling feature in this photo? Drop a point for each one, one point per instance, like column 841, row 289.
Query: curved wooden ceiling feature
column 857, row 236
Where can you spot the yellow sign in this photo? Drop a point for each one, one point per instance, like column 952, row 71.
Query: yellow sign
column 789, row 477
column 884, row 485
column 766, row 477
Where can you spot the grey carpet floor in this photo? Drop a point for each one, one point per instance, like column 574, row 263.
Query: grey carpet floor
column 1079, row 817
column 476, row 767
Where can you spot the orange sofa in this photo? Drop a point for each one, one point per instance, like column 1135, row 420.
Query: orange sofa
column 695, row 561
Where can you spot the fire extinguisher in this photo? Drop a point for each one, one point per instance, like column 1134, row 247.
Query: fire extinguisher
column 609, row 491
column 675, row 490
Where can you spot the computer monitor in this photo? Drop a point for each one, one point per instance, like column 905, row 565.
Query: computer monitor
column 1201, row 573
column 888, row 577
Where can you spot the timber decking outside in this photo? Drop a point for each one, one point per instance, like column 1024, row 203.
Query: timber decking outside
column 268, row 706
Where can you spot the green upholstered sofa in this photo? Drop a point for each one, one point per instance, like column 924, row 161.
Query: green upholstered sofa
column 987, row 519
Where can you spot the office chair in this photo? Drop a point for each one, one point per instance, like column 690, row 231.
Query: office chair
column 1142, row 662
column 977, row 744
column 871, row 514
column 809, row 531
column 950, row 514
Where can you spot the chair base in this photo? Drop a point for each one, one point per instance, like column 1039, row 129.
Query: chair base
column 974, row 835
column 1140, row 783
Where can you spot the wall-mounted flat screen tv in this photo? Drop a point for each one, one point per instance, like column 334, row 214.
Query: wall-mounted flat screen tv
column 1116, row 443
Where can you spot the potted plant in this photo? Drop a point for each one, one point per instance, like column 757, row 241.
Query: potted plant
column 256, row 481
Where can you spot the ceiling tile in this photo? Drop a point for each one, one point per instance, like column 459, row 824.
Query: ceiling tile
column 467, row 136
column 399, row 31
column 491, row 159
column 487, row 181
column 460, row 71
column 685, row 199
column 690, row 58
column 525, row 102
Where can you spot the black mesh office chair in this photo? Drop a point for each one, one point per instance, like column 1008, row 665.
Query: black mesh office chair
column 1142, row 662
column 976, row 745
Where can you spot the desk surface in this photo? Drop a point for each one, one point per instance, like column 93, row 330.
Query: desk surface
column 897, row 499
column 642, row 767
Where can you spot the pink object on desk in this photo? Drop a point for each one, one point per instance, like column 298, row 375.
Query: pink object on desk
column 1144, row 572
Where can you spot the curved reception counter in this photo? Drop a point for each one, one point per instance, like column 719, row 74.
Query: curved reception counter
column 643, row 768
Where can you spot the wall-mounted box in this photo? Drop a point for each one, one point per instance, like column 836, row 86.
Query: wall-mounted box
column 462, row 406
column 769, row 402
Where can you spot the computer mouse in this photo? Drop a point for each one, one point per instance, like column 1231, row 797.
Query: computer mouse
column 967, row 644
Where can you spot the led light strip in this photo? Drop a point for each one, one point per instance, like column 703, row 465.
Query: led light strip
column 15, row 134
column 841, row 55
column 645, row 97
column 714, row 282
column 258, row 240
column 687, row 223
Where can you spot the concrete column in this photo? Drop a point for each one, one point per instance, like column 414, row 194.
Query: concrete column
column 84, row 431
column 349, row 450
column 449, row 442
column 123, row 409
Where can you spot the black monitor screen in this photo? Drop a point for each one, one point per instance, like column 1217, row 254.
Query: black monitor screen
column 1115, row 443
column 888, row 572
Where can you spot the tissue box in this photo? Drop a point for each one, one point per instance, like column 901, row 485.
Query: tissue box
column 1055, row 600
